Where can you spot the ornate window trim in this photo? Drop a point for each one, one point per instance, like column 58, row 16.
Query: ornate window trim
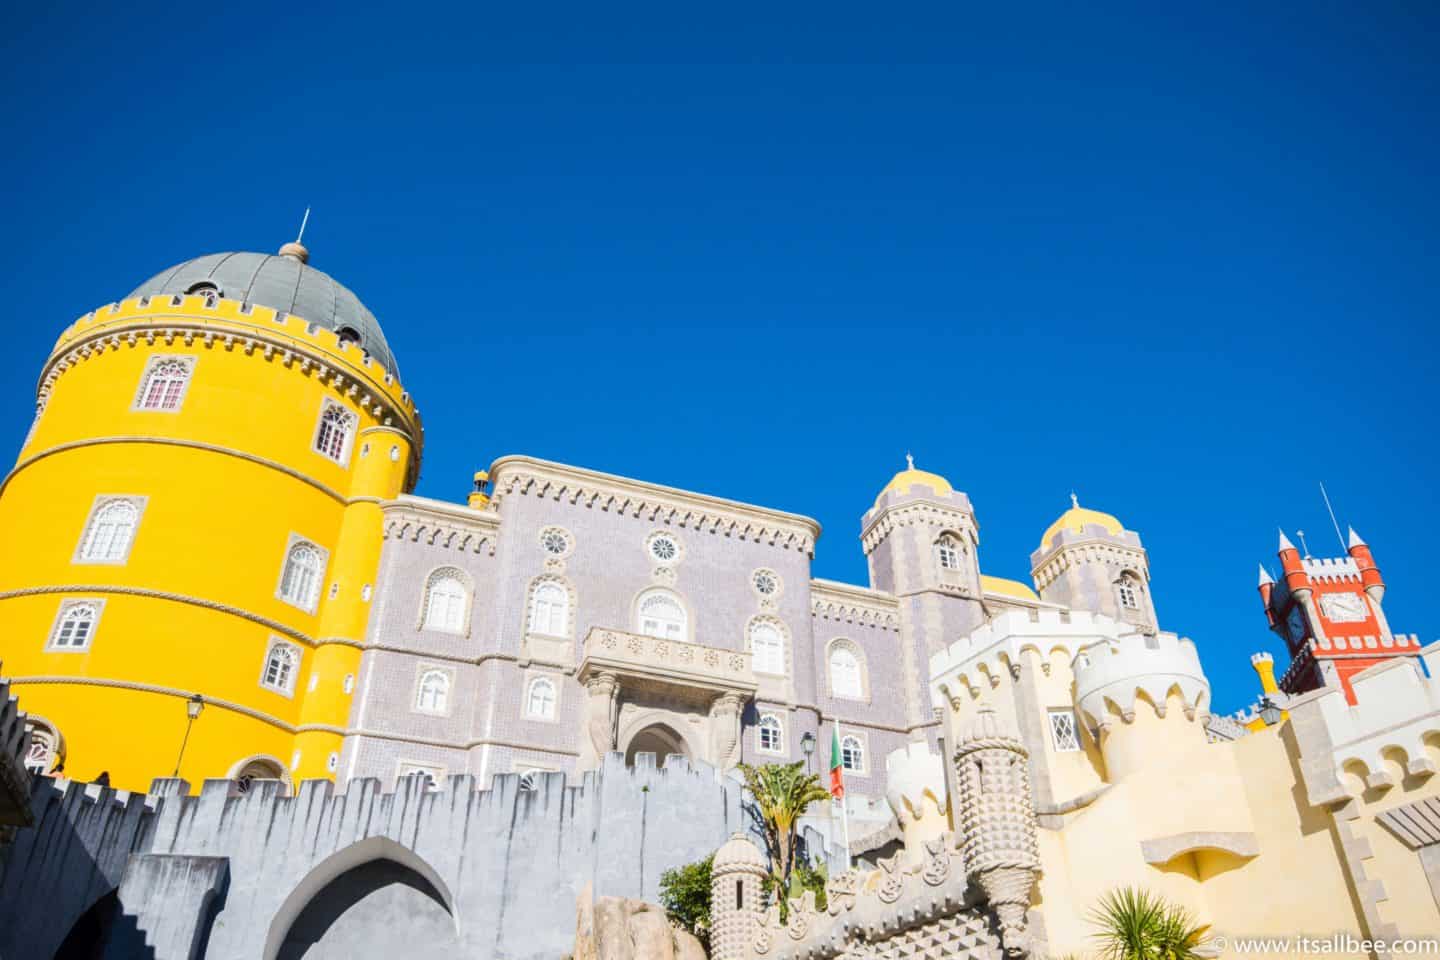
column 656, row 553
column 337, row 417
column 436, row 772
column 861, row 663
column 1129, row 591
column 776, row 722
column 467, row 587
column 530, row 774
column 244, row 778
column 1064, row 738
column 63, row 614
column 785, row 644
column 687, row 631
column 862, row 741
column 279, row 651
column 758, row 579
column 446, row 690
column 171, row 397
column 291, row 545
column 553, row 536
column 542, row 680
column 46, row 751
column 91, row 549
column 531, row 602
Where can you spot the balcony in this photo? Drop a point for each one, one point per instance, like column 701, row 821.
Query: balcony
column 666, row 663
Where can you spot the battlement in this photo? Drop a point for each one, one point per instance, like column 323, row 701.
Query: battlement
column 1332, row 570
column 1392, row 731
column 992, row 647
column 14, row 778
column 1111, row 676
column 231, row 323
column 913, row 773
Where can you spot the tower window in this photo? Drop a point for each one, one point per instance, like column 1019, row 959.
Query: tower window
column 540, row 701
column 771, row 734
column 767, row 648
column 46, row 747
column 110, row 531
column 852, row 754
column 846, row 676
column 205, row 289
column 446, row 602
column 1064, row 732
column 163, row 385
column 947, row 551
column 75, row 625
column 1129, row 592
column 335, row 432
column 300, row 579
column 433, row 693
column 348, row 335
column 281, row 665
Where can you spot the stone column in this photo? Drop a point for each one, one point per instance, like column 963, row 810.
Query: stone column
column 725, row 721
column 601, row 709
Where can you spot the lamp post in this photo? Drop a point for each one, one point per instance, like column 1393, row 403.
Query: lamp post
column 1269, row 711
column 193, row 706
column 807, row 744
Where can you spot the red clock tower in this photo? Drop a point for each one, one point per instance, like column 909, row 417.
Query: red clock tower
column 1329, row 613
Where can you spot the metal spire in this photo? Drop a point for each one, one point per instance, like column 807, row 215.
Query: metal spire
column 303, row 222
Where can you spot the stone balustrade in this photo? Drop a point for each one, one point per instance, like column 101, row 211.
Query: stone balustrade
column 673, row 662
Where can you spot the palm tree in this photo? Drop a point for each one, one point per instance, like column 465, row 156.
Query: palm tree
column 782, row 793
column 1137, row 925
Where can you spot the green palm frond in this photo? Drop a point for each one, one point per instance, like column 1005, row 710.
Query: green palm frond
column 1138, row 925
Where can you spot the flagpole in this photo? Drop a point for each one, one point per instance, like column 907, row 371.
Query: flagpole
column 844, row 804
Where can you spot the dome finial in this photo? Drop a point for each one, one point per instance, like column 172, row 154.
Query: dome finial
column 296, row 250
column 1074, row 501
column 909, row 461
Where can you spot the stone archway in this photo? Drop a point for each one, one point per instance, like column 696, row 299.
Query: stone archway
column 658, row 738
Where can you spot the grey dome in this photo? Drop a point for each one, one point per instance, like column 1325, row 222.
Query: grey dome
column 282, row 283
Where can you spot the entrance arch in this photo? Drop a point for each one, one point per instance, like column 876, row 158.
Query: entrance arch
column 660, row 739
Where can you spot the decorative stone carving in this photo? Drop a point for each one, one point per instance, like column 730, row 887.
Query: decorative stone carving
column 600, row 711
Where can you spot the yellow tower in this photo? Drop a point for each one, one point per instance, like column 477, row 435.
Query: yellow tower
column 193, row 524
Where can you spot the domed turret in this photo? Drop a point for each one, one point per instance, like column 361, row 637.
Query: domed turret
column 737, row 876
column 910, row 480
column 1088, row 560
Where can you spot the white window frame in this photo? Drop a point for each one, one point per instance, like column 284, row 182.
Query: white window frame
column 53, row 645
column 47, row 746
column 863, row 769
column 278, row 647
column 779, row 726
column 1127, row 592
column 435, row 771
column 290, row 546
column 152, row 368
column 1062, row 743
column 682, row 632
column 428, row 619
column 351, row 427
column 948, row 553
column 862, row 674
column 530, row 688
column 541, row 627
column 782, row 651
column 417, row 702
column 112, row 557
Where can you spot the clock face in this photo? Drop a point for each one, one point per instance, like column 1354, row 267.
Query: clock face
column 1296, row 620
column 1344, row 607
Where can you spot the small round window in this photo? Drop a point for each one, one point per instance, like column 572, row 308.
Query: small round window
column 663, row 548
column 766, row 582
column 555, row 542
column 348, row 335
column 205, row 289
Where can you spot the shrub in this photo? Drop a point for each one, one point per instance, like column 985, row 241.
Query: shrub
column 685, row 895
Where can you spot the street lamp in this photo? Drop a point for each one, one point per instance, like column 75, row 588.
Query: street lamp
column 1269, row 711
column 193, row 706
column 807, row 743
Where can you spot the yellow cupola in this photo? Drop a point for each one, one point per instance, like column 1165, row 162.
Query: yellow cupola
column 1077, row 518
column 903, row 481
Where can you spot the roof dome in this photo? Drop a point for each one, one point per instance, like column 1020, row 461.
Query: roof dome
column 1077, row 518
column 909, row 477
column 283, row 282
column 737, row 853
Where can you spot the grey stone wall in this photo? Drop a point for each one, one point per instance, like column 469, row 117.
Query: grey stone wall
column 229, row 876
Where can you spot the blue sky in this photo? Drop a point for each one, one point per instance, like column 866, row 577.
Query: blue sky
column 1182, row 262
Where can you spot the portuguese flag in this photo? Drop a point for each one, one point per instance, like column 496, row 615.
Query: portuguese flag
column 837, row 765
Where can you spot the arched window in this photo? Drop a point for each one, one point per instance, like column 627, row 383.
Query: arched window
column 281, row 665
column 540, row 700
column 852, row 754
column 333, row 434
column 947, row 552
column 845, row 676
column 661, row 614
column 300, row 580
column 550, row 609
column 445, row 602
column 46, row 750
column 112, row 527
column 75, row 626
column 770, row 734
column 1128, row 589
column 163, row 385
column 257, row 769
column 433, row 694
column 530, row 779
column 767, row 648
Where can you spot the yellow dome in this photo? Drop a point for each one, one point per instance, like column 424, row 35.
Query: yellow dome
column 905, row 479
column 1010, row 588
column 1077, row 518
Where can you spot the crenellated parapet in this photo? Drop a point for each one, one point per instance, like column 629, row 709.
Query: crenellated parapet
column 981, row 659
column 455, row 527
column 1391, row 732
column 1113, row 676
column 843, row 602
column 14, row 777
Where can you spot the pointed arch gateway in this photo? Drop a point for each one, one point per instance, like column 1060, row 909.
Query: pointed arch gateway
column 660, row 739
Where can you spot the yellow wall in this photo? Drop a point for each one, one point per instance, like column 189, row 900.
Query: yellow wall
column 227, row 480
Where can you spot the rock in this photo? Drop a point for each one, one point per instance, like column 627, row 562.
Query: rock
column 618, row 928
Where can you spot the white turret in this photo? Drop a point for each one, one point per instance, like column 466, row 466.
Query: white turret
column 737, row 877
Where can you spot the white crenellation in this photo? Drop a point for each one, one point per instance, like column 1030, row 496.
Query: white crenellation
column 1332, row 570
column 1113, row 674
